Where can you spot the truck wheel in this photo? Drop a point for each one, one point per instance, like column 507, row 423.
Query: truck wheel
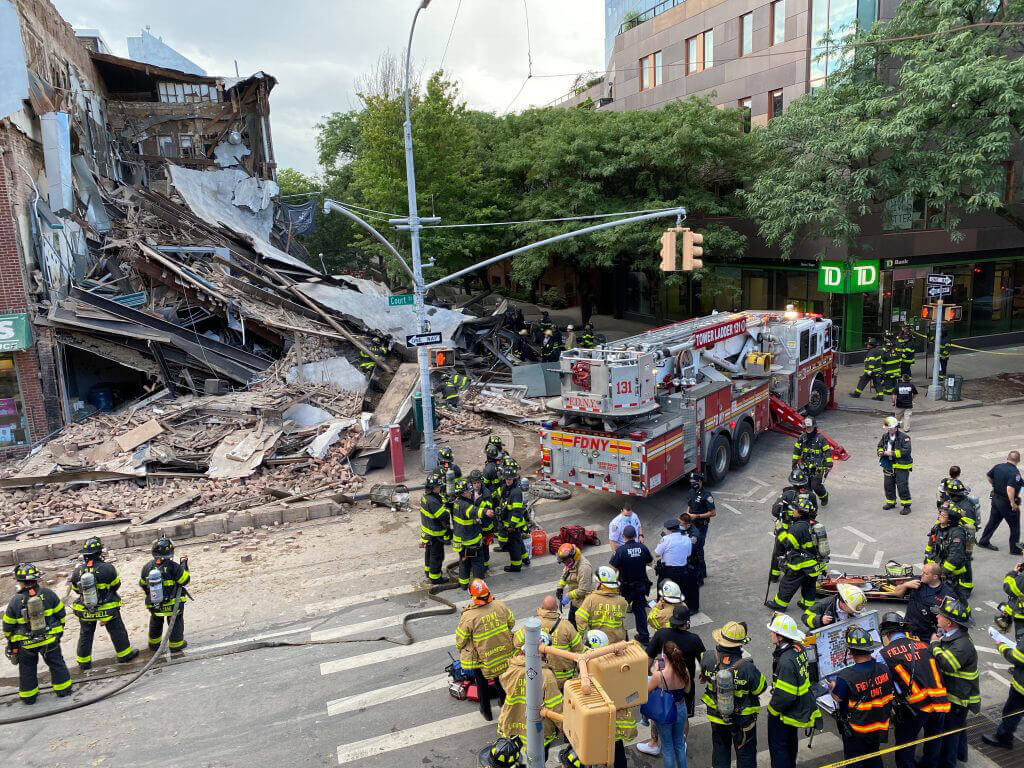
column 818, row 400
column 742, row 444
column 717, row 464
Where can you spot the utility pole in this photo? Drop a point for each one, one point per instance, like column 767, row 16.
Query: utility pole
column 534, row 694
column 933, row 390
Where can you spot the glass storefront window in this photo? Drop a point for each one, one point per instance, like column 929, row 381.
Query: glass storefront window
column 13, row 430
column 1017, row 297
column 990, row 302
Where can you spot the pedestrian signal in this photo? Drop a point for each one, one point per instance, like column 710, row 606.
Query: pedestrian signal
column 442, row 357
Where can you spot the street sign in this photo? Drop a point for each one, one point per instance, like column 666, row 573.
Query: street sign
column 934, row 291
column 401, row 300
column 940, row 280
column 423, row 340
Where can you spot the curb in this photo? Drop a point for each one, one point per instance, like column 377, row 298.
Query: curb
column 919, row 413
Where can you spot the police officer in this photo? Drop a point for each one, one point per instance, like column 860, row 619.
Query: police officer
column 577, row 578
column 514, row 515
column 605, row 608
column 947, row 545
column 921, row 702
column 864, row 693
column 379, row 348
column 675, row 550
column 631, row 561
column 1014, row 706
column 563, row 635
column 174, row 578
column 813, row 453
column 799, row 550
column 467, row 534
column 33, row 624
column 701, row 508
column 957, row 660
column 435, row 529
column 737, row 730
column 905, row 346
column 873, row 372
column 792, row 704
column 550, row 347
column 98, row 602
column 1006, row 489
column 484, row 641
column 894, row 456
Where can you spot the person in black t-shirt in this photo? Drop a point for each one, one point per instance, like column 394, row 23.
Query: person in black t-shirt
column 1006, row 488
column 903, row 395
column 922, row 594
column 631, row 560
column 690, row 644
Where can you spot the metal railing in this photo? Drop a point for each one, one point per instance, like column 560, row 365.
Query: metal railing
column 650, row 13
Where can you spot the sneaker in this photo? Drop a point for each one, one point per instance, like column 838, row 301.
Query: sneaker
column 647, row 749
column 993, row 739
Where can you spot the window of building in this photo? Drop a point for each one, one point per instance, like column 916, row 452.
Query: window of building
column 777, row 28
column 166, row 146
column 831, row 21
column 906, row 212
column 746, row 33
column 186, row 93
column 650, row 71
column 774, row 103
column 745, row 106
column 13, row 430
column 700, row 52
column 187, row 144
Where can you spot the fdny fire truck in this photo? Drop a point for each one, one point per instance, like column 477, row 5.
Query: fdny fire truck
column 638, row 414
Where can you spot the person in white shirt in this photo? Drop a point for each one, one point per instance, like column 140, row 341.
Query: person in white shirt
column 618, row 524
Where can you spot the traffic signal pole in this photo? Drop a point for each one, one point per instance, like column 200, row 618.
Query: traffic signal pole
column 933, row 389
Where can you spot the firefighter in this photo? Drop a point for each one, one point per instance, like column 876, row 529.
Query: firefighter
column 948, row 546
column 587, row 339
column 435, row 529
column 814, row 453
column 1014, row 706
column 669, row 596
column 98, row 603
column 495, row 440
column 467, row 534
column 550, row 347
column 945, row 348
column 512, row 720
column 577, row 578
column 492, row 480
column 873, row 372
column 570, row 336
column 782, row 511
column 905, row 347
column 563, row 635
column 799, row 549
column 604, row 609
column 161, row 602
column 544, row 324
column 503, row 753
column 792, row 704
column 446, row 463
column 897, row 463
column 625, row 719
column 379, row 348
column 1012, row 611
column 952, row 488
column 514, row 515
column 701, row 508
column 921, row 702
column 957, row 660
column 521, row 350
column 731, row 697
column 33, row 624
column 453, row 384
column 849, row 601
column 484, row 641
column 864, row 694
column 484, row 503
column 892, row 359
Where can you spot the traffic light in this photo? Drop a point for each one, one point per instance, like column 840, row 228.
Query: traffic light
column 442, row 357
column 668, row 251
column 692, row 250
column 951, row 313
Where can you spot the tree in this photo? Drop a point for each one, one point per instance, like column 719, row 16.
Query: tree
column 929, row 104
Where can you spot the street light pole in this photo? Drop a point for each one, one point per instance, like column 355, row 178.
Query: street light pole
column 429, row 454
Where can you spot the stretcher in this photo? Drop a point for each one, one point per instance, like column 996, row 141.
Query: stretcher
column 878, row 586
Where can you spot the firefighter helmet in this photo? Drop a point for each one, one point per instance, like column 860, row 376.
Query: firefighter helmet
column 670, row 592
column 27, row 572
column 445, row 454
column 504, row 753
column 523, row 332
column 462, row 485
column 568, row 758
column 607, row 576
column 954, row 488
column 891, row 422
column 858, row 639
column 434, row 480
column 492, row 452
column 596, row 638
column 93, row 546
column 783, row 624
column 853, row 596
column 803, row 507
column 377, row 340
column 511, row 463
column 568, row 552
column 680, row 618
column 480, row 592
column 810, row 423
column 509, row 473
column 891, row 622
column 798, row 477
column 872, row 343
column 476, row 476
column 955, row 610
column 953, row 512
column 733, row 634
column 163, row 547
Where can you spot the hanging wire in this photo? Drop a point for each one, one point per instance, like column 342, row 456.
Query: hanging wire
column 450, row 33
column 529, row 60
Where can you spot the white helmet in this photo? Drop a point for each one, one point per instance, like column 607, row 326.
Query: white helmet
column 545, row 638
column 783, row 624
column 853, row 596
column 596, row 639
column 608, row 576
column 670, row 592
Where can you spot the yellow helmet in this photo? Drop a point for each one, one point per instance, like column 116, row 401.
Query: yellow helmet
column 853, row 596
column 733, row 634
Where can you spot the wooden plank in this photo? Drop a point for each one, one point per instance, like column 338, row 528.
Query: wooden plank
column 141, row 434
column 402, row 384
column 171, row 505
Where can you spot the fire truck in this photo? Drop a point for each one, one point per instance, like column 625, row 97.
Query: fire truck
column 638, row 414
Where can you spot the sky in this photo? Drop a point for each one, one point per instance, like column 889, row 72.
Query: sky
column 318, row 50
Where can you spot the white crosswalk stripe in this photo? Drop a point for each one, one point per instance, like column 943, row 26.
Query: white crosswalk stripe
column 977, row 443
column 439, row 729
column 388, row 694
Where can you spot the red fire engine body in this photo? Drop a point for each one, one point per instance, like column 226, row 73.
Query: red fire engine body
column 638, row 414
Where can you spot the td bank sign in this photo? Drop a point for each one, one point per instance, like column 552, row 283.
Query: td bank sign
column 848, row 277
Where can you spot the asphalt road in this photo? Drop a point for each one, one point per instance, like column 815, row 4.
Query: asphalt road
column 374, row 704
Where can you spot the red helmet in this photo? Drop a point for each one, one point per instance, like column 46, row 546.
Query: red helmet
column 479, row 592
column 566, row 553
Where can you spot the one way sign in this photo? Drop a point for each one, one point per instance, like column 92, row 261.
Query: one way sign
column 423, row 340
column 945, row 281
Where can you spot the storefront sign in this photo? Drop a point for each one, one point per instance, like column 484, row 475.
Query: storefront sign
column 842, row 277
column 14, row 333
column 8, row 406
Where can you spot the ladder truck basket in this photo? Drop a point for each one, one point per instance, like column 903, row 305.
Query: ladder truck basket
column 788, row 421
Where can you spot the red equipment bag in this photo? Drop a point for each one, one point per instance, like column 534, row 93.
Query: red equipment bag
column 578, row 535
column 553, row 544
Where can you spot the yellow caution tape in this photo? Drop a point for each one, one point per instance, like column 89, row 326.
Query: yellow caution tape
column 972, row 349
